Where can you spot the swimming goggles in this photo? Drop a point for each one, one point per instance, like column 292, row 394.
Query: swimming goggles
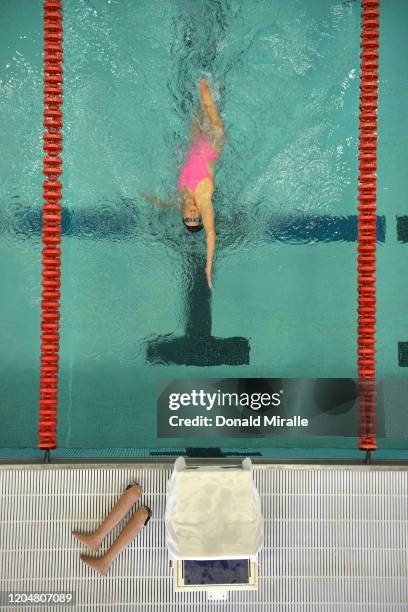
column 197, row 219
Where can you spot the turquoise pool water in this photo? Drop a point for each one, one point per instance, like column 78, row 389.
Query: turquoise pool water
column 285, row 75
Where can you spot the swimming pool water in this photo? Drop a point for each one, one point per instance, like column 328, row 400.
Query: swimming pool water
column 285, row 74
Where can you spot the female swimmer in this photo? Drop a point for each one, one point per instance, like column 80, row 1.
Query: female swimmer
column 196, row 179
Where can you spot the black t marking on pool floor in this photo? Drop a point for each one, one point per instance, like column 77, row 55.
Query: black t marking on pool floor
column 197, row 347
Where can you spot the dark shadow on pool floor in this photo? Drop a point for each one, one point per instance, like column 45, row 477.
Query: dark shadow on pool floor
column 197, row 347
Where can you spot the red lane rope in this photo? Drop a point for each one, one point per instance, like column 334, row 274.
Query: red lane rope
column 51, row 232
column 366, row 268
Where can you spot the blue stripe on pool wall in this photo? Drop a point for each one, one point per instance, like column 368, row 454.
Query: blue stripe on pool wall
column 104, row 223
column 319, row 228
column 402, row 228
column 403, row 354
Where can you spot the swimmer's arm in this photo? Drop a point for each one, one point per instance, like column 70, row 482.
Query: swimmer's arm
column 209, row 107
column 217, row 132
column 207, row 215
column 158, row 201
column 210, row 255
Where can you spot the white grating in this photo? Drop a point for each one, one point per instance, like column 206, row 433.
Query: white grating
column 336, row 539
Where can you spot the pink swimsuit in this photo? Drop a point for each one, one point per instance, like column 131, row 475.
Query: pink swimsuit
column 195, row 169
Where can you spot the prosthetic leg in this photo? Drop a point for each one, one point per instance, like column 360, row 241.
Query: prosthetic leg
column 120, row 509
column 129, row 532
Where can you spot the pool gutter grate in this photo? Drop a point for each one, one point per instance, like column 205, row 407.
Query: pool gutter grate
column 335, row 539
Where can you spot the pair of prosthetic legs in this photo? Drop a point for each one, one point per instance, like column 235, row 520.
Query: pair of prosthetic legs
column 128, row 533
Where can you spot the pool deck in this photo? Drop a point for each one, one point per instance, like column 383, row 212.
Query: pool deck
column 336, row 538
